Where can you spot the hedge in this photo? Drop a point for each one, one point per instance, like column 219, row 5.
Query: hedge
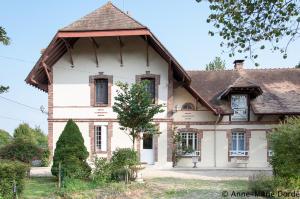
column 12, row 172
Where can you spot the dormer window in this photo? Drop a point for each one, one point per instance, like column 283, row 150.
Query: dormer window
column 239, row 105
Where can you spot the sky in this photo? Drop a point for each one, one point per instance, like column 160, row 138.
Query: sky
column 180, row 25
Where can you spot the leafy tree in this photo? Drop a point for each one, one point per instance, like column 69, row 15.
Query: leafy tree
column 5, row 138
column 71, row 152
column 298, row 65
column 24, row 132
column 217, row 64
column 245, row 25
column 135, row 109
column 4, row 39
column 35, row 136
column 285, row 143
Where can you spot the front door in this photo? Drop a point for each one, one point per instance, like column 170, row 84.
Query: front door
column 147, row 153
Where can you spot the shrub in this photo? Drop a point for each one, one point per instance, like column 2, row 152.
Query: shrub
column 261, row 184
column 5, row 138
column 72, row 153
column 121, row 160
column 45, row 158
column 21, row 150
column 103, row 170
column 285, row 143
column 10, row 172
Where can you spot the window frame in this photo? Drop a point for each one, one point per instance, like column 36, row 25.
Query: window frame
column 237, row 151
column 188, row 104
column 247, row 108
column 95, row 82
column 151, row 79
column 92, row 83
column 96, row 148
column 195, row 142
column 138, row 79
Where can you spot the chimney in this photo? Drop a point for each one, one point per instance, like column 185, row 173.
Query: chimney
column 239, row 64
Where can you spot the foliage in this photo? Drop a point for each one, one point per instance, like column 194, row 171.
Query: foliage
column 4, row 39
column 3, row 89
column 5, row 138
column 72, row 153
column 21, row 150
column 36, row 135
column 298, row 65
column 285, row 143
column 102, row 171
column 45, row 158
column 261, row 184
column 244, row 25
column 216, row 64
column 176, row 146
column 12, row 172
column 135, row 109
column 121, row 160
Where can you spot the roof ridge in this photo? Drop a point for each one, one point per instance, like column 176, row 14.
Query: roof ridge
column 243, row 69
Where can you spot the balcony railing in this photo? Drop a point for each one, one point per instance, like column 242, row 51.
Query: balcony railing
column 193, row 154
column 238, row 153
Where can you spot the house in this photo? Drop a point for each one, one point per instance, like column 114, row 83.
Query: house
column 223, row 117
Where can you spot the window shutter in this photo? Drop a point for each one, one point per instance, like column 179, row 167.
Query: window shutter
column 103, row 138
column 101, row 91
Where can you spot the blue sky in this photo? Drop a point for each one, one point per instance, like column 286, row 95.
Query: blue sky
column 180, row 25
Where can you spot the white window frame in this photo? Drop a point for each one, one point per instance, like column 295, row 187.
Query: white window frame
column 238, row 152
column 239, row 108
column 185, row 136
column 102, row 144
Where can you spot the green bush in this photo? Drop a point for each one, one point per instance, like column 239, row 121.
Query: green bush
column 72, row 153
column 21, row 150
column 102, row 171
column 261, row 184
column 12, row 172
column 121, row 160
column 285, row 143
column 45, row 158
column 5, row 138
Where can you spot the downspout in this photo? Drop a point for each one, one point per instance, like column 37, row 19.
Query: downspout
column 215, row 140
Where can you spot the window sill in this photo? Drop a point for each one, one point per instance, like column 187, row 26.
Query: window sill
column 100, row 105
column 100, row 152
column 238, row 153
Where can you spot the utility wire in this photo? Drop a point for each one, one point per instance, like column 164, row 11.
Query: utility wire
column 15, row 119
column 16, row 59
column 21, row 104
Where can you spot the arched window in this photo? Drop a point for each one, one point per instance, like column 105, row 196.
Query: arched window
column 188, row 107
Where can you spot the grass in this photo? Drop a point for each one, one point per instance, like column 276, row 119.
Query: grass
column 153, row 188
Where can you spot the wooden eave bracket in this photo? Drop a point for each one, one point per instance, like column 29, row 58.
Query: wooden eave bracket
column 95, row 47
column 46, row 71
column 147, row 50
column 68, row 46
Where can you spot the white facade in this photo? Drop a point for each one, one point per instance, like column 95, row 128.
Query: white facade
column 71, row 100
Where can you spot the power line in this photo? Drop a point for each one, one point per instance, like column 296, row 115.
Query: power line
column 15, row 119
column 21, row 104
column 16, row 59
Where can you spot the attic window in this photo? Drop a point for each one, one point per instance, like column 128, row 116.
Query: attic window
column 188, row 107
column 239, row 105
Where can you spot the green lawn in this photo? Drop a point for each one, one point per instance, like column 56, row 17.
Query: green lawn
column 153, row 188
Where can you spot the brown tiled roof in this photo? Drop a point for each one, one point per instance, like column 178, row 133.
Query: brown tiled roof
column 281, row 88
column 107, row 17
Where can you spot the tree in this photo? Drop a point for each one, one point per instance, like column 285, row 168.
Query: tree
column 135, row 110
column 298, row 65
column 4, row 39
column 24, row 132
column 217, row 64
column 71, row 152
column 40, row 138
column 285, row 143
column 246, row 25
column 5, row 138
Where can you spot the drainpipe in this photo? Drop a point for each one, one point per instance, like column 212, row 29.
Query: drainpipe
column 215, row 140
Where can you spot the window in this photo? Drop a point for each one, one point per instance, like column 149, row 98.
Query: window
column 189, row 144
column 147, row 141
column 100, row 138
column 150, row 88
column 238, row 144
column 239, row 105
column 101, row 86
column 188, row 107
